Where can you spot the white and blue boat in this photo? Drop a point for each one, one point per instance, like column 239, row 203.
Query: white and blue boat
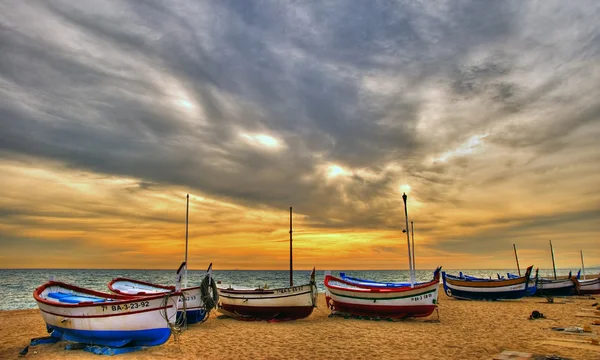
column 191, row 303
column 489, row 289
column 86, row 316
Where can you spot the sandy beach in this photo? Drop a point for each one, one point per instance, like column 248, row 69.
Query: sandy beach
column 466, row 330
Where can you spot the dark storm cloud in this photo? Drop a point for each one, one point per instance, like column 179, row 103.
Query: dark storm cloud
column 96, row 86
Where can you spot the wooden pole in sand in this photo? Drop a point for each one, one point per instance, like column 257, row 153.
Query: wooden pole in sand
column 412, row 235
column 412, row 281
column 291, row 266
column 582, row 267
column 553, row 264
column 187, row 210
column 517, row 258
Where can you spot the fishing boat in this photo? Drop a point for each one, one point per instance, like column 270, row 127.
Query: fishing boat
column 192, row 307
column 288, row 303
column 348, row 295
column 86, row 316
column 196, row 302
column 396, row 302
column 589, row 286
column 558, row 287
column 488, row 289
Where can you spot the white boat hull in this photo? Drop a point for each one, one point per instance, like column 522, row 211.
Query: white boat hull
column 116, row 321
column 295, row 302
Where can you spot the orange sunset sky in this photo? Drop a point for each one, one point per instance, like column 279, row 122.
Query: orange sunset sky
column 487, row 114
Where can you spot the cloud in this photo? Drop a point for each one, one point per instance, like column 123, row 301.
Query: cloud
column 248, row 105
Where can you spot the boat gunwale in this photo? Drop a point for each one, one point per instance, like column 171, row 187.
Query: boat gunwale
column 119, row 298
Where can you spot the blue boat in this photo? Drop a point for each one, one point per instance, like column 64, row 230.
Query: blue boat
column 489, row 289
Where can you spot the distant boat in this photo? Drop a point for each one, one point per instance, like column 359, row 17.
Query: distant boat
column 559, row 287
column 289, row 303
column 563, row 286
column 346, row 297
column 488, row 289
column 86, row 316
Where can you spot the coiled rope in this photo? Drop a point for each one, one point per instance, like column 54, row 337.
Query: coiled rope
column 179, row 323
column 209, row 294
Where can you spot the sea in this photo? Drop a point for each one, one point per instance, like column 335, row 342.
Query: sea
column 17, row 285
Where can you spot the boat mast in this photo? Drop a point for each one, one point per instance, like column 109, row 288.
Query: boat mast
column 412, row 235
column 291, row 267
column 582, row 267
column 553, row 264
column 187, row 210
column 517, row 258
column 412, row 281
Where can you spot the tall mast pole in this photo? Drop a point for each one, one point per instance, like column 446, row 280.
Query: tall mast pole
column 412, row 235
column 412, row 282
column 187, row 211
column 582, row 267
column 517, row 258
column 553, row 264
column 291, row 265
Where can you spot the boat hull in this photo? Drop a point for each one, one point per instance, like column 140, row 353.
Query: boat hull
column 589, row 286
column 115, row 321
column 548, row 287
column 193, row 306
column 296, row 302
column 346, row 297
column 481, row 289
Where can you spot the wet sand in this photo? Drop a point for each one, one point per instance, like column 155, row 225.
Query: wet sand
column 466, row 330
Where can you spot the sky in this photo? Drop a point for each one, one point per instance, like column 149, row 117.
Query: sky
column 486, row 114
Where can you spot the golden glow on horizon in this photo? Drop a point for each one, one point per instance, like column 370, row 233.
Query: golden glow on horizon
column 79, row 219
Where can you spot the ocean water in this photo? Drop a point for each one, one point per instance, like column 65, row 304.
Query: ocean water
column 17, row 285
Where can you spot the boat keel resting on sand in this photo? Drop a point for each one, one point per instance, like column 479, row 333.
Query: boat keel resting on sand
column 345, row 297
column 196, row 302
column 291, row 303
column 90, row 317
column 488, row 289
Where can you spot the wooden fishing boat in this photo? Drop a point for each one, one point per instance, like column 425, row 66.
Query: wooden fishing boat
column 290, row 303
column 91, row 317
column 589, row 286
column 559, row 287
column 360, row 297
column 488, row 289
column 191, row 302
column 345, row 297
